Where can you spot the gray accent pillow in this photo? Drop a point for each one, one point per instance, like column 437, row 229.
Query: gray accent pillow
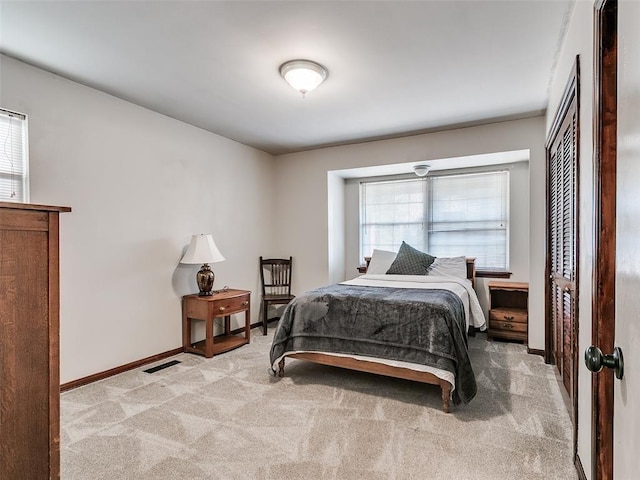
column 410, row 261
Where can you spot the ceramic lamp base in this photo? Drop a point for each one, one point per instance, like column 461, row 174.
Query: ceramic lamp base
column 204, row 279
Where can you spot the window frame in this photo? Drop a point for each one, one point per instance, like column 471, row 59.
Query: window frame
column 24, row 173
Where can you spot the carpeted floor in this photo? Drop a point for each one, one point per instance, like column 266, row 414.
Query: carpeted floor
column 227, row 418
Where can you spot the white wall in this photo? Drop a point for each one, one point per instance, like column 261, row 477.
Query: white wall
column 303, row 190
column 140, row 184
column 336, row 221
column 579, row 41
column 627, row 336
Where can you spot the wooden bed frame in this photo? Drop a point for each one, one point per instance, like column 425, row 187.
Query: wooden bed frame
column 379, row 368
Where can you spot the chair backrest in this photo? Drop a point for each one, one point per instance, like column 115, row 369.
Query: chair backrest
column 275, row 274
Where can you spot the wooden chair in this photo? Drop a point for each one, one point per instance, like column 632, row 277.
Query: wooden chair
column 276, row 284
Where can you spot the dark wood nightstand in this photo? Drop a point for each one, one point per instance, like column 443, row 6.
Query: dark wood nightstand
column 363, row 268
column 508, row 314
column 206, row 308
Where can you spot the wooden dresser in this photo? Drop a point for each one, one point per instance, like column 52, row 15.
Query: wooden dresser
column 508, row 313
column 29, row 358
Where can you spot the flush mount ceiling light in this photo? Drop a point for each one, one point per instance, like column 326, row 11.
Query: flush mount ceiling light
column 303, row 75
column 421, row 170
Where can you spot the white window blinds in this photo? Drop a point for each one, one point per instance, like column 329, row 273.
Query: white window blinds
column 392, row 212
column 447, row 215
column 469, row 215
column 13, row 157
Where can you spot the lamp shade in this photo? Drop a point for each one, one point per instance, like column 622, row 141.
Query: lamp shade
column 202, row 249
column 303, row 75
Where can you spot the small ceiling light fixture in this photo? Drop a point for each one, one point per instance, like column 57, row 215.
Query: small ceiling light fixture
column 421, row 170
column 303, row 75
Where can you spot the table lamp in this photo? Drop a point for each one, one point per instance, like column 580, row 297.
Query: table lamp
column 203, row 249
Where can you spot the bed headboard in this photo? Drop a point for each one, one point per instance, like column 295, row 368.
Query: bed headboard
column 471, row 269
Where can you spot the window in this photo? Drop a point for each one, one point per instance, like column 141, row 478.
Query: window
column 444, row 215
column 13, row 157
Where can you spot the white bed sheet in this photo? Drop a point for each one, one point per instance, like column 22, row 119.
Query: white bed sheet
column 461, row 287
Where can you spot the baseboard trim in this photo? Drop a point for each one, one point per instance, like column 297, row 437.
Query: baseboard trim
column 116, row 370
column 135, row 364
column 579, row 469
column 535, row 351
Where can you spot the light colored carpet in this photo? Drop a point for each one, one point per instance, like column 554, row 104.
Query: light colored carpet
column 227, row 418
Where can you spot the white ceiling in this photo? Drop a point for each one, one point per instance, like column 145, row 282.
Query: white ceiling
column 395, row 67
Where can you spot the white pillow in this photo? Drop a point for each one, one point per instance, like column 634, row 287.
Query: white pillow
column 380, row 262
column 449, row 267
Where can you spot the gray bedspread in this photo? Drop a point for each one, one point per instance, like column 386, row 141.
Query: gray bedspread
column 425, row 326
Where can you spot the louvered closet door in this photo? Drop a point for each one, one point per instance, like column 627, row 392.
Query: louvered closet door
column 562, row 245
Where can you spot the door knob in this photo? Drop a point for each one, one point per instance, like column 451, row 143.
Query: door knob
column 595, row 360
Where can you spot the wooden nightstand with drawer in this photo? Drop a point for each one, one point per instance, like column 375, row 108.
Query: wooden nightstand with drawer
column 508, row 313
column 206, row 308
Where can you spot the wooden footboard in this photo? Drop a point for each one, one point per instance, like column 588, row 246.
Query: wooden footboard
column 377, row 368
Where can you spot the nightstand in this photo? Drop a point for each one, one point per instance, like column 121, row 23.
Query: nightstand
column 363, row 268
column 205, row 308
column 508, row 314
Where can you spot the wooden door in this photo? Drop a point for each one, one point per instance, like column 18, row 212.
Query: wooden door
column 562, row 249
column 615, row 421
column 604, row 254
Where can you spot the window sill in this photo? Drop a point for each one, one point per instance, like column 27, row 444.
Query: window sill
column 493, row 274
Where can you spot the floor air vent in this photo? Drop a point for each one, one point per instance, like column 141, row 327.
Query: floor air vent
column 160, row 367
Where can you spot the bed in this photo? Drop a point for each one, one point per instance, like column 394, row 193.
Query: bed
column 399, row 325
